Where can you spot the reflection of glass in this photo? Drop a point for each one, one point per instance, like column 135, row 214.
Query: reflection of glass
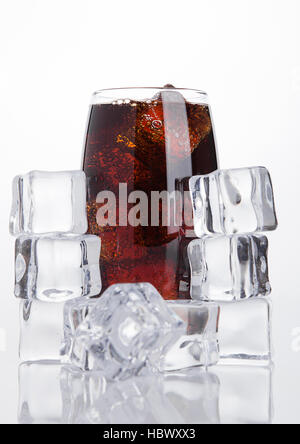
column 50, row 393
column 145, row 139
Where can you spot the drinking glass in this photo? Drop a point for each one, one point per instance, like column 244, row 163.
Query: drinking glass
column 140, row 144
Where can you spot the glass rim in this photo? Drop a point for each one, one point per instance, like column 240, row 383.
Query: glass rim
column 110, row 94
column 160, row 88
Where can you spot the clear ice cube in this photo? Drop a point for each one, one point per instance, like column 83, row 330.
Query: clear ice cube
column 129, row 323
column 49, row 202
column 41, row 331
column 233, row 201
column 229, row 268
column 245, row 332
column 198, row 345
column 75, row 312
column 57, row 267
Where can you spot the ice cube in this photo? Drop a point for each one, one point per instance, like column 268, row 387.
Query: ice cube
column 233, row 201
column 40, row 398
column 41, row 331
column 45, row 202
column 198, row 345
column 57, row 267
column 75, row 312
column 168, row 120
column 229, row 267
column 129, row 323
column 245, row 332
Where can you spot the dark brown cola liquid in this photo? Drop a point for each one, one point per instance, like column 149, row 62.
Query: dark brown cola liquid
column 149, row 146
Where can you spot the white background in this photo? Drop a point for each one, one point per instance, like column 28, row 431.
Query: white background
column 245, row 54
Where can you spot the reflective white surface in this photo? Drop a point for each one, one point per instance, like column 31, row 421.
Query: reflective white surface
column 224, row 394
column 221, row 395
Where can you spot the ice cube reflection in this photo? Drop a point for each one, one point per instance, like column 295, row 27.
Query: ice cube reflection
column 50, row 392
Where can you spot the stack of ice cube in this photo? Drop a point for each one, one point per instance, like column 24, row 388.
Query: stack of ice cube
column 130, row 328
column 55, row 260
column 228, row 260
